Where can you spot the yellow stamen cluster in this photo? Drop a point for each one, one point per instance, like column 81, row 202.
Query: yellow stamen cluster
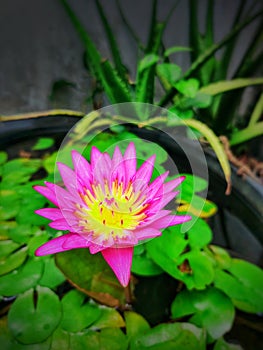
column 111, row 210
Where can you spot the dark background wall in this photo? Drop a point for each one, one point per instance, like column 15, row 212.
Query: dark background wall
column 39, row 46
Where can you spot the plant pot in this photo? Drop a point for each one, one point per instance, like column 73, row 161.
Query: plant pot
column 241, row 210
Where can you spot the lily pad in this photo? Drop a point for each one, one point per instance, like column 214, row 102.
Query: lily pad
column 179, row 336
column 18, row 281
column 33, row 317
column 91, row 275
column 210, row 309
column 78, row 314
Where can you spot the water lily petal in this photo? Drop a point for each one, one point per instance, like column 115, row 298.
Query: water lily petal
column 82, row 169
column 144, row 173
column 148, row 232
column 68, row 177
column 60, row 224
column 47, row 192
column 120, row 260
column 50, row 213
column 55, row 245
column 171, row 185
column 76, row 241
column 130, row 161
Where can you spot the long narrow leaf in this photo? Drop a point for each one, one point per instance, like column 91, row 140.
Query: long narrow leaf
column 227, row 85
column 257, row 112
column 115, row 88
column 247, row 134
column 118, row 64
column 217, row 147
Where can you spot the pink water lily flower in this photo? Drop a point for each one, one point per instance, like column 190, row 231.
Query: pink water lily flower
column 108, row 206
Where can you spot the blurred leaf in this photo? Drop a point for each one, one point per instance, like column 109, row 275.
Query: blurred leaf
column 22, row 233
column 109, row 318
column 8, row 342
column 243, row 283
column 36, row 241
column 169, row 72
column 135, row 324
column 52, row 276
column 3, row 157
column 175, row 49
column 13, row 261
column 60, row 340
column 19, row 281
column 227, row 85
column 221, row 344
column 43, row 143
column 211, row 309
column 188, row 87
column 143, row 265
column 179, row 336
column 77, row 314
column 106, row 339
column 199, row 235
column 92, row 275
column 33, row 318
column 7, row 247
column 18, row 171
column 201, row 272
column 221, row 256
column 9, row 205
column 217, row 147
column 49, row 163
column 200, row 100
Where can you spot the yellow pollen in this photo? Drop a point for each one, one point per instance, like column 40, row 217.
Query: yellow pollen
column 111, row 210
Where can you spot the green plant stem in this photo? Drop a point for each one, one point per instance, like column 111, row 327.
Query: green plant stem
column 51, row 112
column 257, row 112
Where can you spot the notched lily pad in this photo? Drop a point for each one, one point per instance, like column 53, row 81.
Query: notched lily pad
column 91, row 275
column 34, row 316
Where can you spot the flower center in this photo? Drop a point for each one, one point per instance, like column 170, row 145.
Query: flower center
column 111, row 210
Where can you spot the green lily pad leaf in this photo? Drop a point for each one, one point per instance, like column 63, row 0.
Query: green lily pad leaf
column 243, row 284
column 197, row 206
column 19, row 171
column 49, row 163
column 91, row 275
column 143, row 265
column 34, row 317
column 166, row 249
column 221, row 257
column 135, row 325
column 3, row 157
column 221, row 344
column 52, row 276
column 60, row 340
column 191, row 184
column 7, row 247
column 9, row 205
column 109, row 317
column 43, row 143
column 18, row 281
column 8, row 342
column 22, row 233
column 13, row 261
column 199, row 235
column 199, row 100
column 35, row 242
column 201, row 271
column 179, row 336
column 210, row 309
column 169, row 71
column 78, row 314
column 6, row 226
column 106, row 339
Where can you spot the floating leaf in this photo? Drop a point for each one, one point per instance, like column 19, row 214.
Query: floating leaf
column 143, row 265
column 19, row 281
column 9, row 205
column 243, row 283
column 210, row 308
column 13, row 261
column 135, row 324
column 43, row 143
column 109, row 317
column 33, row 318
column 221, row 256
column 52, row 276
column 77, row 314
column 179, row 336
column 92, row 275
column 221, row 344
